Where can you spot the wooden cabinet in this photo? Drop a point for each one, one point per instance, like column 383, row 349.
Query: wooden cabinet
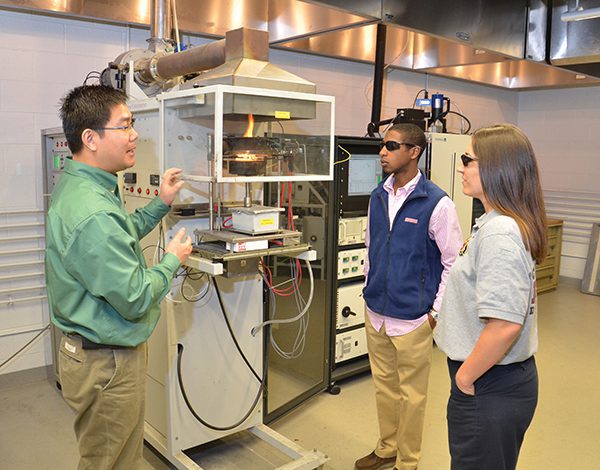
column 547, row 272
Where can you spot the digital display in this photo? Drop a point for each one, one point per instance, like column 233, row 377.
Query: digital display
column 364, row 174
column 129, row 178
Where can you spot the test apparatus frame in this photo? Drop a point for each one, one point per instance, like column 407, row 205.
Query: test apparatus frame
column 206, row 366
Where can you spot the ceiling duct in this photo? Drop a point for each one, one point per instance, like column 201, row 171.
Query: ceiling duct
column 497, row 26
column 575, row 45
column 503, row 43
column 498, row 43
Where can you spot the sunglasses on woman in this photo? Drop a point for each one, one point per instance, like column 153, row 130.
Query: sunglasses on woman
column 466, row 159
column 392, row 145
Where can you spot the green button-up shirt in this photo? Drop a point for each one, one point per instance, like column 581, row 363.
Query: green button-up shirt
column 97, row 280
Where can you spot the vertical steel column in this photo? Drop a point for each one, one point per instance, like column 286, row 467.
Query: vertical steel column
column 378, row 73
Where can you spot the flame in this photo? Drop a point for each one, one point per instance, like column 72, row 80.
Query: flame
column 245, row 157
column 250, row 127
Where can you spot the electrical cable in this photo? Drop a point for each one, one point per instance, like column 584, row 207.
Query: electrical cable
column 199, row 296
column 291, row 320
column 261, row 380
column 300, row 339
column 29, row 343
column 230, row 329
column 346, row 159
column 417, row 96
column 94, row 74
column 195, row 414
column 458, row 114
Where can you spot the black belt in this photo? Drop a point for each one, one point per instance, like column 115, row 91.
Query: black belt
column 87, row 344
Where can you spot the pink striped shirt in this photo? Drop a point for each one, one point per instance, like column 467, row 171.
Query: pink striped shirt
column 444, row 228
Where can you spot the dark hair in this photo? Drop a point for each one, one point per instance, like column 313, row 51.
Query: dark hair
column 511, row 183
column 87, row 107
column 412, row 134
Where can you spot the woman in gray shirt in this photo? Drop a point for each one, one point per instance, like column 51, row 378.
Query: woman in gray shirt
column 488, row 321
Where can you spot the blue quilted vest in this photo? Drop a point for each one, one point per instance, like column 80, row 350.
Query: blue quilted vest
column 404, row 263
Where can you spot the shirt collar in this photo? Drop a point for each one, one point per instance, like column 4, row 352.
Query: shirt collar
column 485, row 218
column 103, row 178
column 388, row 185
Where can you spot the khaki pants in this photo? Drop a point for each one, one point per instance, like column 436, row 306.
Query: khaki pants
column 106, row 388
column 400, row 368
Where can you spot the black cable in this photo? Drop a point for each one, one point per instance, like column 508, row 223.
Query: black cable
column 191, row 273
column 189, row 405
column 160, row 248
column 458, row 114
column 237, row 345
column 201, row 296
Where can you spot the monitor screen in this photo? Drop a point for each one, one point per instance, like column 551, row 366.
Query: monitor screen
column 364, row 174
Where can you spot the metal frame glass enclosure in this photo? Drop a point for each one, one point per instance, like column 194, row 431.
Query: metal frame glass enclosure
column 232, row 134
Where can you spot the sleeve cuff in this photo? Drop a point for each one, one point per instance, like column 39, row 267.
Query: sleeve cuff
column 171, row 262
column 512, row 317
column 157, row 205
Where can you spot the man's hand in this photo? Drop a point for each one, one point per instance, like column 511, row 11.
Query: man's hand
column 431, row 320
column 170, row 185
column 180, row 247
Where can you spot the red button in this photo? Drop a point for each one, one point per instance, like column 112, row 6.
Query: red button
column 156, row 192
column 147, row 191
column 131, row 189
column 139, row 190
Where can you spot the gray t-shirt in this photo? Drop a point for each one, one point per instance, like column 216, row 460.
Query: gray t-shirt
column 493, row 277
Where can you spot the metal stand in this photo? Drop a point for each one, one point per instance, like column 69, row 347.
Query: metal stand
column 302, row 459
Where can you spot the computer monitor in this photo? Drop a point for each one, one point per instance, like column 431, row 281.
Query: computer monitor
column 364, row 174
column 357, row 173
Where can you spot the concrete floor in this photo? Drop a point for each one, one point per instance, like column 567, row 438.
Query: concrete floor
column 36, row 425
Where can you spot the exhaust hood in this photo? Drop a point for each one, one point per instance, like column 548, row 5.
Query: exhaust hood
column 575, row 45
column 498, row 43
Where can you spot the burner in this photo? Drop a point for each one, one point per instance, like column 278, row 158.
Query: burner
column 248, row 156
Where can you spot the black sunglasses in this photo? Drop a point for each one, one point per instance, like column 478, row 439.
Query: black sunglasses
column 466, row 159
column 392, row 145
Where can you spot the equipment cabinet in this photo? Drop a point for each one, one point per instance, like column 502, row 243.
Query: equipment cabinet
column 548, row 271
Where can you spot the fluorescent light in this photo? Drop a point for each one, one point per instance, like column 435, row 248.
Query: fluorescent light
column 580, row 14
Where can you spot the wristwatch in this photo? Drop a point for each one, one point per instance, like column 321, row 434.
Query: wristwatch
column 434, row 314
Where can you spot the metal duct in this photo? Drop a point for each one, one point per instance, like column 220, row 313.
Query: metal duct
column 575, row 45
column 161, row 23
column 197, row 59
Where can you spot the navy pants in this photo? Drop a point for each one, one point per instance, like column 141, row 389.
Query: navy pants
column 485, row 431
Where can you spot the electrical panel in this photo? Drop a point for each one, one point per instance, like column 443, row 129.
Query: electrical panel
column 352, row 230
column 56, row 159
column 350, row 345
column 351, row 263
column 141, row 183
column 350, row 306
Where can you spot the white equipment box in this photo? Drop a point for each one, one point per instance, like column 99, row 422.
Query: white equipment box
column 352, row 230
column 350, row 306
column 255, row 219
column 350, row 344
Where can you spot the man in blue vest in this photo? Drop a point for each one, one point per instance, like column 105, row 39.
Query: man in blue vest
column 413, row 237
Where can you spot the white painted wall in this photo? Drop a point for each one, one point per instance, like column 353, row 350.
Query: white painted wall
column 563, row 127
column 43, row 57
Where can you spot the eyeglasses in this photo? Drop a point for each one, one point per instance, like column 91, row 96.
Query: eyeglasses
column 392, row 145
column 128, row 127
column 466, row 159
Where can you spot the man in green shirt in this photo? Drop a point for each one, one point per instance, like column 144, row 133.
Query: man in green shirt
column 101, row 293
